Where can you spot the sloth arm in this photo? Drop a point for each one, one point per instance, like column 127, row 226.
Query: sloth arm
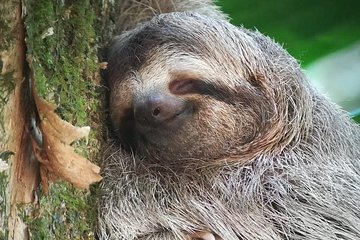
column 139, row 203
column 168, row 235
column 132, row 195
column 164, row 235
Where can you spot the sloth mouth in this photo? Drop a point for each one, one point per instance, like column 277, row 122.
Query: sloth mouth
column 165, row 124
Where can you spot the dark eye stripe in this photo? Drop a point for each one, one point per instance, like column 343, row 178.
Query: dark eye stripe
column 194, row 86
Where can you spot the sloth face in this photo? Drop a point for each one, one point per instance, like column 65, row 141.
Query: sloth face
column 187, row 87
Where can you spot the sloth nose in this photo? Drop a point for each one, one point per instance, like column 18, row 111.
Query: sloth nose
column 156, row 109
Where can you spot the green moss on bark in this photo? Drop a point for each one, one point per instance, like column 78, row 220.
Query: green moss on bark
column 3, row 217
column 67, row 213
column 7, row 38
column 62, row 45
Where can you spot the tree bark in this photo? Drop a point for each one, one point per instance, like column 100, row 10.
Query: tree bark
column 50, row 50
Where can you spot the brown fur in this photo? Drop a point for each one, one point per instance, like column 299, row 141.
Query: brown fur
column 260, row 155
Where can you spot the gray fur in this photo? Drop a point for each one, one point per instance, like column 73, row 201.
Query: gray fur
column 273, row 159
column 132, row 12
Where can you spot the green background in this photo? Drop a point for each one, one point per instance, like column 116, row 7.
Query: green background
column 308, row 29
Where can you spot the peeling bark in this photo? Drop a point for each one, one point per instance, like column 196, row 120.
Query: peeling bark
column 23, row 174
column 41, row 142
column 57, row 157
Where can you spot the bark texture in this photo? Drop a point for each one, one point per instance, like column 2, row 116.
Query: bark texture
column 51, row 50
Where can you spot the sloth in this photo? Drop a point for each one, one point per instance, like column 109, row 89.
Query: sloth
column 217, row 134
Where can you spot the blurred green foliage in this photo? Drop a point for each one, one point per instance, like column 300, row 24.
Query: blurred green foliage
column 357, row 118
column 307, row 29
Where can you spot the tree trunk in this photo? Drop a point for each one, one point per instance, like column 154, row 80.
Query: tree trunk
column 50, row 52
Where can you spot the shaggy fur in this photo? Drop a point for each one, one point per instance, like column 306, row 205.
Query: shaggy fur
column 258, row 155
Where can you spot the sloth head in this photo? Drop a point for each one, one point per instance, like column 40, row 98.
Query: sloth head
column 184, row 86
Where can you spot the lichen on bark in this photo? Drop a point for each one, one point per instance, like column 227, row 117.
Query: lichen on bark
column 62, row 48
column 61, row 43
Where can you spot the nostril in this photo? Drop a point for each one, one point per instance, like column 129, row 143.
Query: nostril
column 156, row 111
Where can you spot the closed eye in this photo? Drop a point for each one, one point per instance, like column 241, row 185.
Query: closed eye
column 192, row 86
column 196, row 86
column 181, row 87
